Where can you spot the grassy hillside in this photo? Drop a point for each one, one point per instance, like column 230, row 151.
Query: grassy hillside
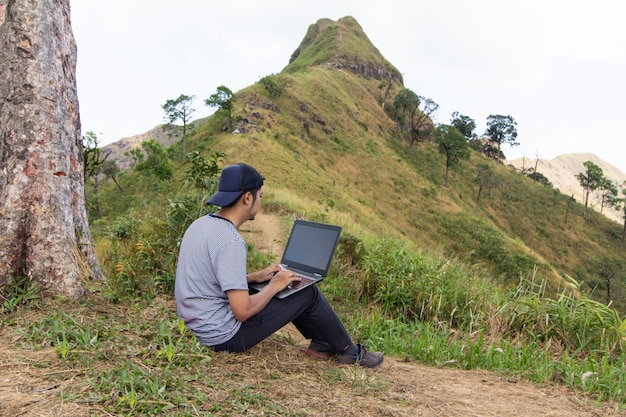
column 329, row 152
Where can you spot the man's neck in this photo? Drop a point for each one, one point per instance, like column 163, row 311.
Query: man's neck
column 229, row 215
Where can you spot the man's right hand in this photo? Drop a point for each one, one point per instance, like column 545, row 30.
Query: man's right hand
column 282, row 279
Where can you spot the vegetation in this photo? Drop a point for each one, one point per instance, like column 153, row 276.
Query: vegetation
column 224, row 100
column 495, row 271
column 179, row 110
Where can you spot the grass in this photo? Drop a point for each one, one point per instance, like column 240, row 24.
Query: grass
column 137, row 358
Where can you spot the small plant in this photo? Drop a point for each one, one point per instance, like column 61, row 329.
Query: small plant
column 17, row 293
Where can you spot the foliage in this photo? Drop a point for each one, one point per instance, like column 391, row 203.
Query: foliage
column 92, row 154
column 540, row 178
column 486, row 179
column 414, row 114
column 155, row 160
column 464, row 124
column 199, row 183
column 18, row 292
column 477, row 242
column 224, row 99
column 274, row 85
column 179, row 109
column 461, row 319
column 452, row 144
column 142, row 254
column 419, row 287
column 500, row 130
column 590, row 180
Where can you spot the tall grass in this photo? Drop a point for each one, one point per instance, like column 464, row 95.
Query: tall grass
column 443, row 313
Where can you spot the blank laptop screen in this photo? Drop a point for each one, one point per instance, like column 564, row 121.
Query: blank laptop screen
column 311, row 246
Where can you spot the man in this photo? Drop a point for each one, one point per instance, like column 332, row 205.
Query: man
column 211, row 289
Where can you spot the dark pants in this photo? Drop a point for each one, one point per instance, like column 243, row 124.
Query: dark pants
column 309, row 311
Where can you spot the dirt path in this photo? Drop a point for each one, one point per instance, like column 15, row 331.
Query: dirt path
column 266, row 233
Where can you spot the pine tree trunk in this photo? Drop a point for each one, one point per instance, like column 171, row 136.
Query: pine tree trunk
column 43, row 215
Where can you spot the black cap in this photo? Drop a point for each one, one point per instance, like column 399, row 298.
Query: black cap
column 235, row 179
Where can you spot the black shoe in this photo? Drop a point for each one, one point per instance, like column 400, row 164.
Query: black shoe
column 364, row 358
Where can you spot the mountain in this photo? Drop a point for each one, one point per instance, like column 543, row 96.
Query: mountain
column 118, row 149
column 562, row 170
column 330, row 151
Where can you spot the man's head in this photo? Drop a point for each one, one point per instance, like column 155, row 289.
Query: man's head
column 234, row 181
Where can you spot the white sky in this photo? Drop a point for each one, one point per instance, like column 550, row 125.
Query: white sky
column 556, row 66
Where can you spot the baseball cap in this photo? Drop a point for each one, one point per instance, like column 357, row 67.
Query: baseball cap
column 235, row 179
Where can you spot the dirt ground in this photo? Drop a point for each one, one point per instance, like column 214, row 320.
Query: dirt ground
column 400, row 388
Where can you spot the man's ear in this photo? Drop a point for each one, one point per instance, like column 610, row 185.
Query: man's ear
column 247, row 198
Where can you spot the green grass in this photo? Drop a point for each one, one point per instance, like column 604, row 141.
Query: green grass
column 139, row 358
column 441, row 313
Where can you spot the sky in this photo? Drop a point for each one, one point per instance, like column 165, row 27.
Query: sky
column 558, row 67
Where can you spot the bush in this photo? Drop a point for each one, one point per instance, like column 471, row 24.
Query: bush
column 420, row 287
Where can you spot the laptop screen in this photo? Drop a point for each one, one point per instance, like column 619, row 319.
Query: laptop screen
column 311, row 246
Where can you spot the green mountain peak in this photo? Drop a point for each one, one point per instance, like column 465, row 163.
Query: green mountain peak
column 343, row 45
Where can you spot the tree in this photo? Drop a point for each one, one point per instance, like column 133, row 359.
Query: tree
column 539, row 177
column 452, row 144
column 224, row 99
column 110, row 170
column 275, row 85
column 179, row 109
column 384, row 89
column 608, row 193
column 464, row 124
column 590, row 180
column 570, row 201
column 609, row 269
column 92, row 154
column 500, row 130
column 43, row 214
column 413, row 113
column 620, row 204
column 153, row 159
column 486, row 180
column 92, row 160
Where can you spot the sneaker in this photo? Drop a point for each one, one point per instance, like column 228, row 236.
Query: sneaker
column 364, row 358
column 320, row 351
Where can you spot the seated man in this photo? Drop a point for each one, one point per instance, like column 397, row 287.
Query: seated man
column 211, row 289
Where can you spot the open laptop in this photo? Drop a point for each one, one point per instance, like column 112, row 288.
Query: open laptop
column 308, row 253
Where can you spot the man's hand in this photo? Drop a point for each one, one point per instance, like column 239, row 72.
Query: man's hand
column 283, row 279
column 264, row 274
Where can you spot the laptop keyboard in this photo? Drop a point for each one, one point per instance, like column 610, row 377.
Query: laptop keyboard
column 298, row 284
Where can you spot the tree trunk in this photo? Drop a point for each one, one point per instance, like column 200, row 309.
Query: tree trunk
column 43, row 217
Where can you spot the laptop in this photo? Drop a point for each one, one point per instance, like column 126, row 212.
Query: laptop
column 308, row 253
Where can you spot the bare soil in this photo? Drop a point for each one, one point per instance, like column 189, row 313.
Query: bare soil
column 279, row 369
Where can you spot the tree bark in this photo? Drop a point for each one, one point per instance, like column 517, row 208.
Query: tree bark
column 43, row 215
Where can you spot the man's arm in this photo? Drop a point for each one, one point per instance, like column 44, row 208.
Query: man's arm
column 245, row 305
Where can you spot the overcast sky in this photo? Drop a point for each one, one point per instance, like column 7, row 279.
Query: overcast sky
column 556, row 66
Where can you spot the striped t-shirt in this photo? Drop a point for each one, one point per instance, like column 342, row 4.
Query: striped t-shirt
column 211, row 261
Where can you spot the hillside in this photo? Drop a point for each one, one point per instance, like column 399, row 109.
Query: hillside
column 330, row 152
column 562, row 170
